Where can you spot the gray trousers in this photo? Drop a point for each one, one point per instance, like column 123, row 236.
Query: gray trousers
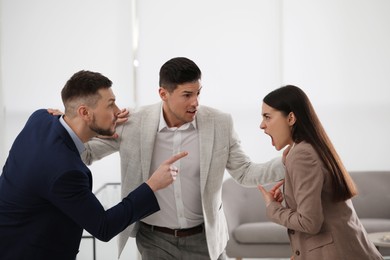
column 155, row 245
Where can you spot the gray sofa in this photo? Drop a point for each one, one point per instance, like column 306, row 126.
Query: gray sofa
column 252, row 235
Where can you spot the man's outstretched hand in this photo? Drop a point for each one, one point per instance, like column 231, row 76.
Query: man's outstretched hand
column 55, row 112
column 122, row 118
column 285, row 153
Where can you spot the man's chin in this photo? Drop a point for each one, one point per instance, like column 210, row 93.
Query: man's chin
column 109, row 133
column 104, row 132
column 191, row 119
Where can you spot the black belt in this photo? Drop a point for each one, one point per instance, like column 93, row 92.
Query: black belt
column 176, row 232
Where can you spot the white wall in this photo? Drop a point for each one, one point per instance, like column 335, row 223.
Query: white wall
column 44, row 42
column 337, row 51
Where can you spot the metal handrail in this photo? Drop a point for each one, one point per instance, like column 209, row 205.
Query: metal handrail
column 90, row 236
column 105, row 185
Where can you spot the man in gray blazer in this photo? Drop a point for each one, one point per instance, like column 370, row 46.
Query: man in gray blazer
column 191, row 223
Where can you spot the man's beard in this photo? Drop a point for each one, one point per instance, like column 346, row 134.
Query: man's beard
column 101, row 131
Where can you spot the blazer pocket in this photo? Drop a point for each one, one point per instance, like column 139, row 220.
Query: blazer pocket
column 319, row 240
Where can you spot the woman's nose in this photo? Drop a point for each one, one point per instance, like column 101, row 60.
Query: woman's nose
column 262, row 125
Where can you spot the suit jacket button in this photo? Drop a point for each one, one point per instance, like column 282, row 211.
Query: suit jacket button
column 297, row 252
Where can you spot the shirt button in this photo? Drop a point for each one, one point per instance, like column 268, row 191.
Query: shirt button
column 297, row 252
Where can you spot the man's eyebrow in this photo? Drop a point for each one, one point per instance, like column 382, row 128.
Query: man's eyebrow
column 189, row 91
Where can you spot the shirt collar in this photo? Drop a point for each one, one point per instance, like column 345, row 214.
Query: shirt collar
column 163, row 124
column 79, row 144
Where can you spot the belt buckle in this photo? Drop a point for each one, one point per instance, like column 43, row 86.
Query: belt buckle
column 176, row 233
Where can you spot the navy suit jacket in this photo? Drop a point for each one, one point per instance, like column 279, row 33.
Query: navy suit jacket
column 46, row 197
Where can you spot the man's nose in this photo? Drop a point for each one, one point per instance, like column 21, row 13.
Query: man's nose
column 116, row 110
column 195, row 102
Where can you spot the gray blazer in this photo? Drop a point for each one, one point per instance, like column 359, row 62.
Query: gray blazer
column 219, row 150
column 318, row 227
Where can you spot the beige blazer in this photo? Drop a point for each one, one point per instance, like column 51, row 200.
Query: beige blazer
column 318, row 228
column 219, row 150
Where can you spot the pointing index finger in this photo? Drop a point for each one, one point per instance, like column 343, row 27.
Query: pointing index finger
column 176, row 157
column 277, row 185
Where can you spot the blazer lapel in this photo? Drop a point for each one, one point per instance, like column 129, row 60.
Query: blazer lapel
column 205, row 125
column 149, row 126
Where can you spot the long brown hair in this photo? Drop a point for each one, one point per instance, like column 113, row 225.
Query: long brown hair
column 309, row 128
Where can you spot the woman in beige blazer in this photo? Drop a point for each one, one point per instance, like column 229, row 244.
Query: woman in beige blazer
column 318, row 212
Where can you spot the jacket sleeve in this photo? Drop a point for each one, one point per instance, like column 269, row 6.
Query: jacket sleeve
column 246, row 172
column 97, row 148
column 71, row 194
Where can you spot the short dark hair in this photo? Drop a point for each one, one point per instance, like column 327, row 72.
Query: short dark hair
column 178, row 71
column 84, row 85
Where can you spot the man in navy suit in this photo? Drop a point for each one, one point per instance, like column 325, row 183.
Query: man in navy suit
column 46, row 197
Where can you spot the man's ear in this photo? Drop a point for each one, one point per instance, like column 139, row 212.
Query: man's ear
column 163, row 93
column 291, row 119
column 83, row 112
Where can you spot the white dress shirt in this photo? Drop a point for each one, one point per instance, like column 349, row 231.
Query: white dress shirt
column 180, row 203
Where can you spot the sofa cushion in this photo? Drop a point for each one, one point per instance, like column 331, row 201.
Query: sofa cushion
column 272, row 233
column 375, row 224
column 373, row 196
column 261, row 232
